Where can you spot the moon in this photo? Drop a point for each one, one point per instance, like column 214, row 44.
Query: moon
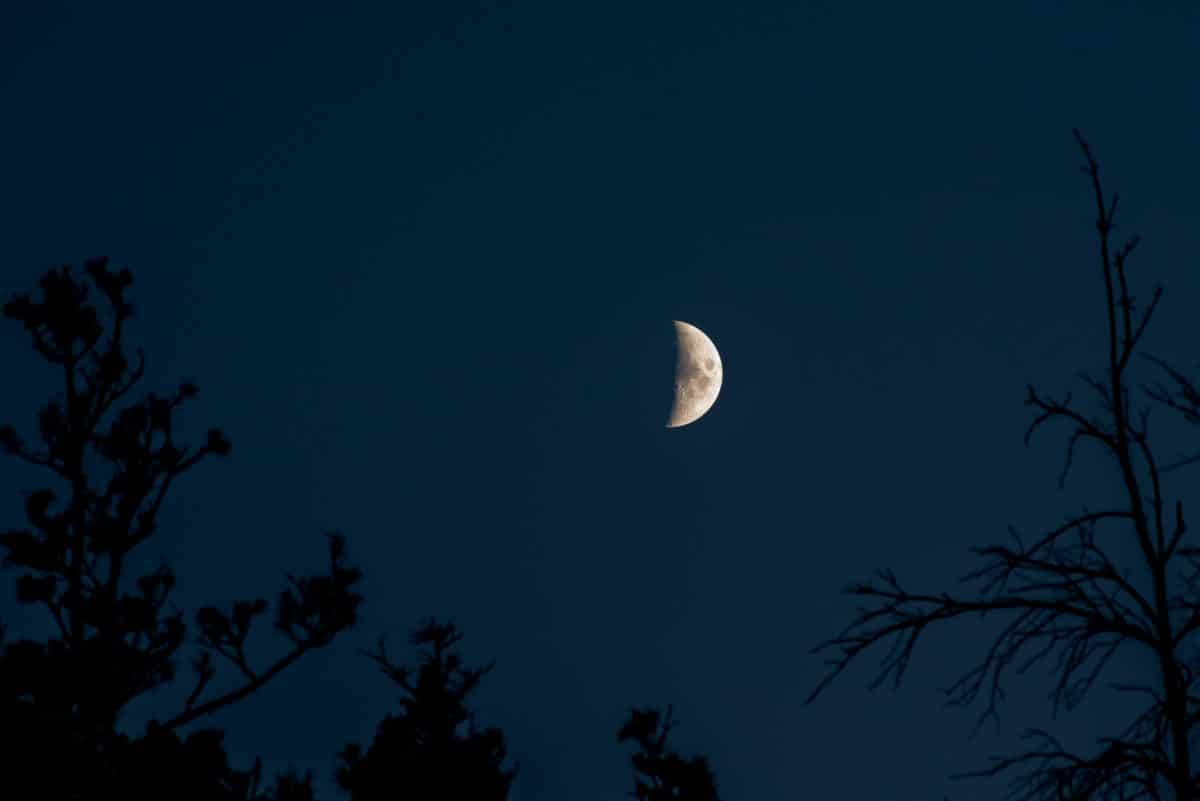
column 697, row 375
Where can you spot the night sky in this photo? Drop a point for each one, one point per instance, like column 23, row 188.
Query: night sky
column 422, row 263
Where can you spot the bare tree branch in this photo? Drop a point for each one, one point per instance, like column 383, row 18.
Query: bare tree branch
column 1062, row 600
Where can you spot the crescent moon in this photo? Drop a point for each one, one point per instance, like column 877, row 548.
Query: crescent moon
column 698, row 375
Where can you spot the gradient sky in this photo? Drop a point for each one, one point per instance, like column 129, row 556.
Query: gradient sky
column 422, row 264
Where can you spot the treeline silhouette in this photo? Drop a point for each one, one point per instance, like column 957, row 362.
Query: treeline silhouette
column 111, row 456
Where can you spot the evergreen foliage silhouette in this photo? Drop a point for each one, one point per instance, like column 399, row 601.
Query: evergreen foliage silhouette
column 1066, row 598
column 660, row 774
column 112, row 460
column 433, row 748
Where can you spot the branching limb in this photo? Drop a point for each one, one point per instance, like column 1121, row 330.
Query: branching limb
column 310, row 613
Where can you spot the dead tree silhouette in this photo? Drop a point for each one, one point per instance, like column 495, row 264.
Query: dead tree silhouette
column 113, row 460
column 1064, row 597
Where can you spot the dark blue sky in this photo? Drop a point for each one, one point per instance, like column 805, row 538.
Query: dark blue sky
column 422, row 264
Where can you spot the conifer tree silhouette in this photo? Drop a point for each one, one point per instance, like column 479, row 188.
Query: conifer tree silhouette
column 660, row 774
column 433, row 748
column 290, row 786
column 112, row 460
column 1067, row 599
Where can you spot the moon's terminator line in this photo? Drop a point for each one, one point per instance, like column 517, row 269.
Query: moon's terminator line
column 698, row 375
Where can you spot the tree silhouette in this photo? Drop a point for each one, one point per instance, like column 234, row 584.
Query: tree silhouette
column 291, row 786
column 660, row 774
column 115, row 635
column 1064, row 598
column 433, row 748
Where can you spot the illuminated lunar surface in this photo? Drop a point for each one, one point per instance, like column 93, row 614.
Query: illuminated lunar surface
column 697, row 375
